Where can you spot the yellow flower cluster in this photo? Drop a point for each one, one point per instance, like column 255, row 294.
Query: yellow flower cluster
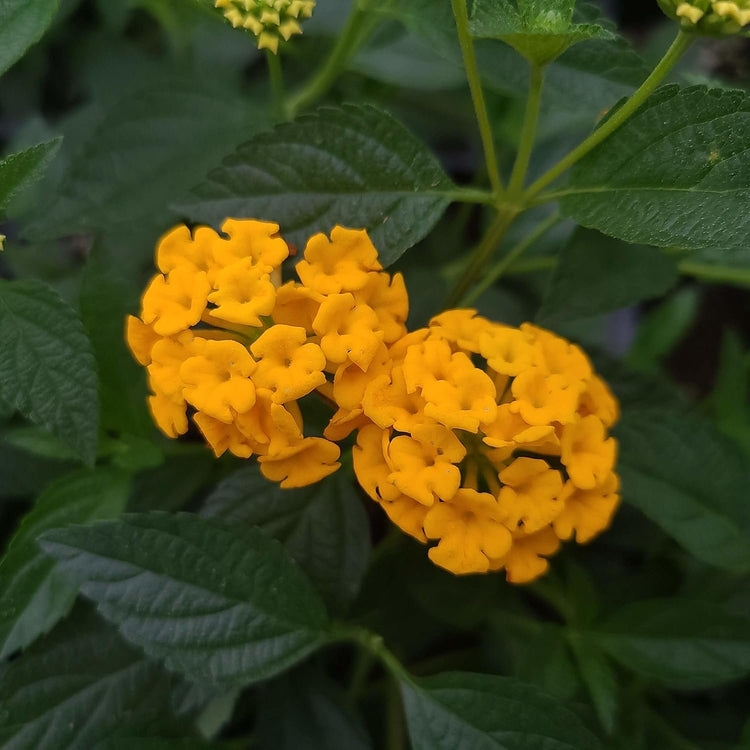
column 486, row 441
column 491, row 441
column 223, row 339
column 709, row 16
column 268, row 20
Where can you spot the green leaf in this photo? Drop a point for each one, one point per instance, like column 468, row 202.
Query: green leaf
column 353, row 165
column 324, row 527
column 690, row 480
column 76, row 687
column 221, row 605
column 39, row 442
column 676, row 173
column 145, row 154
column 599, row 678
column 47, row 371
column 685, row 644
column 22, row 169
column 21, row 24
column 105, row 301
column 304, row 709
column 596, row 274
column 540, row 30
column 731, row 394
column 663, row 329
column 34, row 596
column 464, row 711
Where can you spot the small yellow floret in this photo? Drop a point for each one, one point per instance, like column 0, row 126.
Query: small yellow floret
column 348, row 331
column 287, row 366
column 587, row 512
column 341, row 264
column 218, row 380
column 530, row 498
column 470, row 532
column 306, row 463
column 243, row 293
column 587, row 453
column 173, row 303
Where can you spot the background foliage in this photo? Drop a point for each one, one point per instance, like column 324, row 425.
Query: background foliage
column 222, row 611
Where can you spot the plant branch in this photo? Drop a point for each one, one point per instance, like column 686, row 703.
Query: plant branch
column 494, row 273
column 528, row 131
column 717, row 274
column 461, row 15
column 673, row 54
column 351, row 36
column 482, row 254
column 276, row 79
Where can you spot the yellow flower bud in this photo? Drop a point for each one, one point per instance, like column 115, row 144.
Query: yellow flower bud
column 710, row 17
column 268, row 20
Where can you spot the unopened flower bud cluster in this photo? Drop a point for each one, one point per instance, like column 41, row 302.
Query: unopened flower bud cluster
column 712, row 17
column 269, row 20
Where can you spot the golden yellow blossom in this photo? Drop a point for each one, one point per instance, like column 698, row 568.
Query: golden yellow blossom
column 527, row 557
column 529, row 498
column 485, row 438
column 586, row 452
column 348, row 331
column 243, row 292
column 587, row 513
column 217, row 381
column 341, row 264
column 287, row 366
column 175, row 302
column 470, row 531
column 423, row 465
column 308, row 462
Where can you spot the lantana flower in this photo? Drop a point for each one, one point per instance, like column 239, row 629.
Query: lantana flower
column 487, row 442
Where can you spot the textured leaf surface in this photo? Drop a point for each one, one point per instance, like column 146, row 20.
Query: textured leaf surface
column 76, row 687
column 21, row 169
column 687, row 644
column 225, row 606
column 145, row 154
column 690, row 480
column 463, row 711
column 676, row 173
column 596, row 274
column 324, row 527
column 33, row 596
column 22, row 22
column 354, row 166
column 540, row 31
column 47, row 371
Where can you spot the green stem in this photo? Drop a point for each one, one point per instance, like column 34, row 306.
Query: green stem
column 395, row 736
column 276, row 79
column 494, row 273
column 362, row 668
column 373, row 644
column 482, row 254
column 528, row 131
column 349, row 39
column 673, row 54
column 532, row 265
column 470, row 195
column 718, row 274
column 461, row 15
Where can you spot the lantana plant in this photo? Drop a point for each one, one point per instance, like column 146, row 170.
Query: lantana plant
column 365, row 376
